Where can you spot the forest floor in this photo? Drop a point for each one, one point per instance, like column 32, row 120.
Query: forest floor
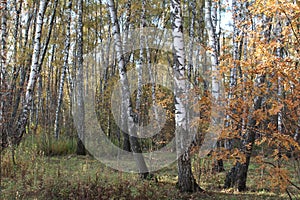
column 36, row 176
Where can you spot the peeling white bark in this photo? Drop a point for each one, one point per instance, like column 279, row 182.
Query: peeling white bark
column 186, row 181
column 34, row 71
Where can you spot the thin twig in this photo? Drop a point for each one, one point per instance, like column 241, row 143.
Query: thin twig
column 287, row 191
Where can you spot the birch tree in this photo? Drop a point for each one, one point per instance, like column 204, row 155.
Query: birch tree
column 34, row 71
column 3, row 83
column 237, row 176
column 135, row 147
column 44, row 50
column 213, row 43
column 140, row 62
column 278, row 35
column 192, row 18
column 126, row 141
column 79, row 82
column 211, row 21
column 150, row 66
column 186, row 180
column 63, row 71
column 235, row 56
column 13, row 81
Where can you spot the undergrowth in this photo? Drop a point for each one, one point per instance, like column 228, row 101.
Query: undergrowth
column 38, row 176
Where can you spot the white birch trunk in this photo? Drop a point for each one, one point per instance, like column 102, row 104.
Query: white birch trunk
column 13, row 81
column 139, row 66
column 278, row 33
column 245, row 57
column 186, row 181
column 23, row 71
column 143, row 170
column 44, row 48
column 236, row 58
column 34, row 71
column 50, row 28
column 211, row 20
column 48, row 90
column 141, row 61
column 17, row 12
column 213, row 45
column 127, row 22
column 63, row 72
column 192, row 16
column 153, row 87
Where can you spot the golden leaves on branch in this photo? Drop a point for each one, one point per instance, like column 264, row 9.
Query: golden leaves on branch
column 275, row 109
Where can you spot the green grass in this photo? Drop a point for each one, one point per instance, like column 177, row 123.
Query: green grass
column 37, row 176
column 74, row 177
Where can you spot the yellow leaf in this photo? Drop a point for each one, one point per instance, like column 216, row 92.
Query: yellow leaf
column 275, row 110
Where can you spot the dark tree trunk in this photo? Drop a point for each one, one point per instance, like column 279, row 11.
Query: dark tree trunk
column 237, row 176
column 186, row 180
column 126, row 142
column 218, row 166
column 80, row 147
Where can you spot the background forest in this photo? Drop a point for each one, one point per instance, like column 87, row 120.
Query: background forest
column 239, row 58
